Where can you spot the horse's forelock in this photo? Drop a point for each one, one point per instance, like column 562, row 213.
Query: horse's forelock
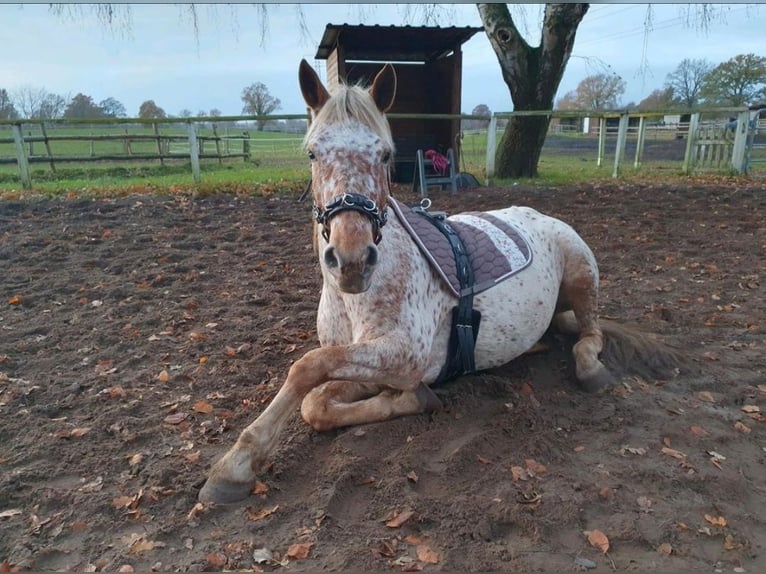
column 349, row 104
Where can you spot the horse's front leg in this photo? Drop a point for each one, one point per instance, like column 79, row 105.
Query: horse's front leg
column 385, row 360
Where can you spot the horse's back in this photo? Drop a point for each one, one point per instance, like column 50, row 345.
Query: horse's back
column 518, row 310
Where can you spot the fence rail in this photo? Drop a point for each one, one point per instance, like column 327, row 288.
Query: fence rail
column 706, row 141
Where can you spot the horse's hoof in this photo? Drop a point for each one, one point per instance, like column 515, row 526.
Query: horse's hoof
column 598, row 382
column 427, row 398
column 223, row 491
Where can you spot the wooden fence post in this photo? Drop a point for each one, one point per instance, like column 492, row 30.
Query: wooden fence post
column 691, row 140
column 738, row 162
column 21, row 156
column 194, row 152
column 601, row 141
column 159, row 142
column 491, row 137
column 622, row 137
column 640, row 142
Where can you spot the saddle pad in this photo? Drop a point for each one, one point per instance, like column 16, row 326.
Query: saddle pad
column 497, row 249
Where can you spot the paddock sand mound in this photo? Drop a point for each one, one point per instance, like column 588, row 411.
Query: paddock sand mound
column 138, row 335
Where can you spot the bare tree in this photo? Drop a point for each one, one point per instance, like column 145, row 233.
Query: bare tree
column 259, row 102
column 687, row 79
column 596, row 92
column 39, row 103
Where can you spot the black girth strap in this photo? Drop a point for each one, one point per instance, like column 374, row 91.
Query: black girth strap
column 465, row 319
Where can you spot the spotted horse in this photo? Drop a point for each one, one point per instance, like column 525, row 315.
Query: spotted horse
column 386, row 315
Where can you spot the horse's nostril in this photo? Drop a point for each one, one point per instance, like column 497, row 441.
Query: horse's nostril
column 330, row 259
column 372, row 256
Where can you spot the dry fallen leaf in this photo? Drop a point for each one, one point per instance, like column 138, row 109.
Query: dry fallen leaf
column 751, row 409
column 665, row 548
column 10, row 512
column 426, row 554
column 163, row 377
column 192, row 456
column 742, row 427
column 412, row 476
column 706, row 396
column 135, row 459
column 260, row 488
column 598, row 539
column 698, row 431
column 674, row 453
column 415, row 540
column 175, row 418
column 80, row 431
column 255, row 515
column 216, row 559
column 519, row 473
column 729, row 544
column 579, row 448
column 716, row 521
column 400, row 519
column 535, row 467
column 300, row 550
column 15, row 300
column 203, row 407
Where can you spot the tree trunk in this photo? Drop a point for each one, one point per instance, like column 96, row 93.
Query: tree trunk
column 532, row 75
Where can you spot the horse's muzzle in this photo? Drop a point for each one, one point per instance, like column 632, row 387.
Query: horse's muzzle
column 352, row 271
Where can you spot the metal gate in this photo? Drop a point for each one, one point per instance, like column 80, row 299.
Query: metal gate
column 755, row 150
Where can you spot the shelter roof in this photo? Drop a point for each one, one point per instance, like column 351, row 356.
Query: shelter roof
column 393, row 43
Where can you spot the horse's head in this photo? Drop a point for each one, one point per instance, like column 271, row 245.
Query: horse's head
column 351, row 150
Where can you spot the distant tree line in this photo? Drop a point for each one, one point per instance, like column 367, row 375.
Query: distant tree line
column 38, row 103
column 739, row 81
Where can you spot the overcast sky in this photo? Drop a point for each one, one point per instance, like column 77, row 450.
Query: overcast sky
column 162, row 59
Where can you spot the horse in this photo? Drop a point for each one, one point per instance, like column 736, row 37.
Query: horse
column 386, row 318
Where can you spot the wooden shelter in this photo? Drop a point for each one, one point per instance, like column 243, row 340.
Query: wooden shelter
column 428, row 63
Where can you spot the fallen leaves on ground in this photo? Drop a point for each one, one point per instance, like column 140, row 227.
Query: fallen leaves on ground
column 665, row 548
column 673, row 453
column 75, row 432
column 203, row 407
column 742, row 427
column 426, row 554
column 716, row 520
column 598, row 539
column 399, row 519
column 300, row 550
column 255, row 515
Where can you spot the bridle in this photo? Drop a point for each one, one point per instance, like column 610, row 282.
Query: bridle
column 351, row 202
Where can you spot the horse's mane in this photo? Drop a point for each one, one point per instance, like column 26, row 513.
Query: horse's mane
column 348, row 105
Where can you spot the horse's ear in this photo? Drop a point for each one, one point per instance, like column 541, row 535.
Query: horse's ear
column 313, row 90
column 383, row 88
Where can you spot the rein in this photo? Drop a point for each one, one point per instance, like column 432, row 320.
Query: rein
column 348, row 202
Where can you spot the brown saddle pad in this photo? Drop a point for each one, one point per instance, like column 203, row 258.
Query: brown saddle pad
column 497, row 249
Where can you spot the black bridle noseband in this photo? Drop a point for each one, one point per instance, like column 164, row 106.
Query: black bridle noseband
column 351, row 202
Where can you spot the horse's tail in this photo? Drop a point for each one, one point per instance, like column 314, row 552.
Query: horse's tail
column 629, row 350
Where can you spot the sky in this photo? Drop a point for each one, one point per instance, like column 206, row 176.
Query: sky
column 162, row 59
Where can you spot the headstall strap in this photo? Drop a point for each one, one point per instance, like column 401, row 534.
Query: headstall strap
column 351, row 202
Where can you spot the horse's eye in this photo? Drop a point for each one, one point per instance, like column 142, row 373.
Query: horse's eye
column 312, row 157
column 386, row 157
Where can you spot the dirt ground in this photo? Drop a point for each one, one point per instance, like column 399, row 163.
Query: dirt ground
column 138, row 335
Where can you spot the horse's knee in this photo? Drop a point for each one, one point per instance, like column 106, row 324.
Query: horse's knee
column 314, row 411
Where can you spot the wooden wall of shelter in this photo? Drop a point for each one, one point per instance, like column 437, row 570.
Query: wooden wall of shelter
column 428, row 63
